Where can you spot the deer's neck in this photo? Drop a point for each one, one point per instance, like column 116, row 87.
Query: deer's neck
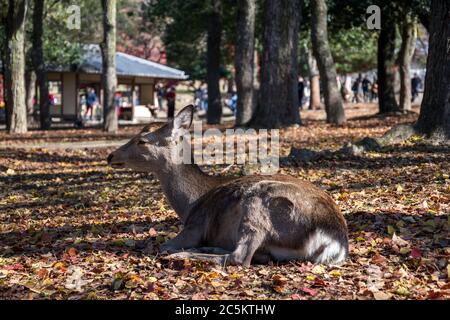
column 183, row 184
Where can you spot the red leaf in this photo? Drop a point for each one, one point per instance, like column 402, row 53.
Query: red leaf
column 16, row 266
column 415, row 253
column 42, row 273
column 378, row 259
column 72, row 251
column 295, row 296
column 309, row 291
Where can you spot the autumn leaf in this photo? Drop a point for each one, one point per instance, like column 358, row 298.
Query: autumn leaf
column 56, row 199
column 416, row 253
column 378, row 259
column 295, row 296
column 72, row 252
column 379, row 295
column 309, row 291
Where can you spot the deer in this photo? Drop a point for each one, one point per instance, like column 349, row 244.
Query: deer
column 236, row 220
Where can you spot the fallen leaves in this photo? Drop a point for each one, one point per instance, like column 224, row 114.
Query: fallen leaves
column 70, row 227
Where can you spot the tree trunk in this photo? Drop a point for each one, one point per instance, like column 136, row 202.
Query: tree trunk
column 39, row 64
column 314, row 99
column 386, row 65
column 30, row 83
column 435, row 109
column 16, row 110
column 214, row 113
column 278, row 103
column 321, row 49
column 244, row 64
column 109, row 79
column 405, row 55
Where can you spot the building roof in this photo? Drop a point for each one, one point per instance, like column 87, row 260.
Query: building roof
column 128, row 65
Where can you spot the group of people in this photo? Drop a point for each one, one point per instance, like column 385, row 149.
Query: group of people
column 364, row 90
column 201, row 99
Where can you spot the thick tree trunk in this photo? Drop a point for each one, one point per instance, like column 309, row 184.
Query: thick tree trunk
column 39, row 64
column 278, row 103
column 244, row 64
column 314, row 80
column 214, row 113
column 109, row 79
column 405, row 55
column 321, row 49
column 435, row 109
column 16, row 110
column 386, row 65
column 30, row 83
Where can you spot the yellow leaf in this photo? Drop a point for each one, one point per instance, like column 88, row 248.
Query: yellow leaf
column 390, row 229
column 404, row 250
column 335, row 273
column 448, row 271
column 402, row 291
column 216, row 284
column 318, row 269
column 152, row 279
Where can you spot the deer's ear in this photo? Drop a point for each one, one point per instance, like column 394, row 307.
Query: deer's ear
column 183, row 119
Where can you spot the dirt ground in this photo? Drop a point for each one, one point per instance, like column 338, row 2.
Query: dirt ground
column 73, row 228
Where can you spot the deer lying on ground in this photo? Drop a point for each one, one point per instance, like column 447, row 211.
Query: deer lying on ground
column 237, row 220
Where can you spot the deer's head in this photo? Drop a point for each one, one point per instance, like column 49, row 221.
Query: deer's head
column 150, row 150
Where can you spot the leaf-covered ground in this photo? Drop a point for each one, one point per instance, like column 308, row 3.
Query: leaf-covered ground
column 72, row 228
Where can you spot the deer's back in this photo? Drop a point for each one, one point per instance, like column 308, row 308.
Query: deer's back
column 286, row 208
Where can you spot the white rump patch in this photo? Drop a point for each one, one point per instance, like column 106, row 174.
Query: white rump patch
column 333, row 251
column 319, row 248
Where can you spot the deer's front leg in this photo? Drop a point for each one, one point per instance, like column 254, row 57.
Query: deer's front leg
column 189, row 237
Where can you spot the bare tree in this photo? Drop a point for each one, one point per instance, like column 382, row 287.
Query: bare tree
column 405, row 55
column 278, row 103
column 214, row 113
column 435, row 108
column 321, row 48
column 314, row 80
column 39, row 64
column 386, row 63
column 245, row 44
column 14, row 67
column 30, row 84
column 109, row 78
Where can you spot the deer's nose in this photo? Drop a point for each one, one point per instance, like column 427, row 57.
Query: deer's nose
column 109, row 158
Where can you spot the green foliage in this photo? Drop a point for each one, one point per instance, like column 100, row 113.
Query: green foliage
column 354, row 50
column 184, row 26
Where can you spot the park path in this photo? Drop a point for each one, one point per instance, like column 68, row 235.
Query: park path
column 67, row 145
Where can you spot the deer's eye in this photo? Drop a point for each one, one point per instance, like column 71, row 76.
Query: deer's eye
column 142, row 142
